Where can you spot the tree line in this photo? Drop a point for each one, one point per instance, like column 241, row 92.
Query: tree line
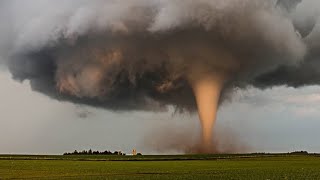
column 90, row 152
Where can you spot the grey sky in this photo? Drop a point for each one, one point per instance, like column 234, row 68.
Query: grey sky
column 277, row 120
column 143, row 55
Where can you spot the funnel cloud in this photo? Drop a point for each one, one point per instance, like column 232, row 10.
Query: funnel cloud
column 151, row 54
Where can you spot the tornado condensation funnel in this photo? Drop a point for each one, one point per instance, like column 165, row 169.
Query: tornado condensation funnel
column 207, row 90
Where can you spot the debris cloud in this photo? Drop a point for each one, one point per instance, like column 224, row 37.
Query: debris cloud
column 176, row 140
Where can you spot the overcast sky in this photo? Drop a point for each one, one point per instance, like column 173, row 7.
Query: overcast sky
column 135, row 58
column 275, row 120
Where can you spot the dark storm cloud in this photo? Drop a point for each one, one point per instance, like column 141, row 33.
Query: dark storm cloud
column 141, row 54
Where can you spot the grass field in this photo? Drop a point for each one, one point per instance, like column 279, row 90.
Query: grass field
column 242, row 166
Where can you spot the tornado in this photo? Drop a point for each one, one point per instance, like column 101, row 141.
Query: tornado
column 207, row 92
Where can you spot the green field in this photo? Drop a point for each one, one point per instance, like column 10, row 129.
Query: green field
column 242, row 166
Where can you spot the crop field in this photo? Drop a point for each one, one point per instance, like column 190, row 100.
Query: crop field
column 241, row 166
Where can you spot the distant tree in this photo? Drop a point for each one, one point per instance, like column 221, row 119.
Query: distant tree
column 90, row 152
column 139, row 154
column 95, row 152
column 300, row 152
column 106, row 152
